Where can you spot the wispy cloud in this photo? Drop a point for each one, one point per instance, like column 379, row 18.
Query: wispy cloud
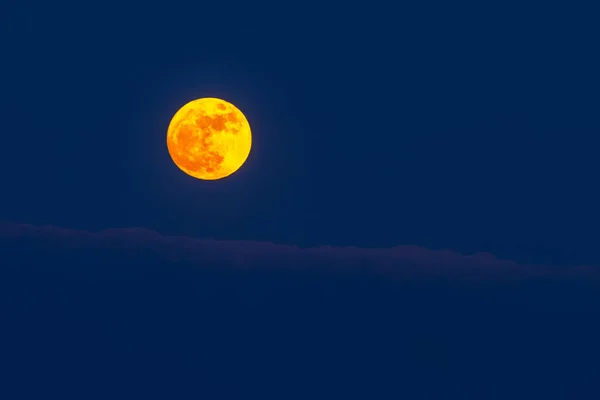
column 399, row 261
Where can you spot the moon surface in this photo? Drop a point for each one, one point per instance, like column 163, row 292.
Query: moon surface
column 209, row 138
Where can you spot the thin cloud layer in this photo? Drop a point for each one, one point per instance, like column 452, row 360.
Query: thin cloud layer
column 399, row 261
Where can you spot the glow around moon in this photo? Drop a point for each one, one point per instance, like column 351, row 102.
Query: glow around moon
column 209, row 138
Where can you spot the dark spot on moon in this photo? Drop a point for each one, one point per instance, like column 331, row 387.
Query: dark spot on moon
column 204, row 122
column 219, row 123
column 221, row 106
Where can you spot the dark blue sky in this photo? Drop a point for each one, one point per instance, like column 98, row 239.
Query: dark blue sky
column 466, row 127
column 471, row 127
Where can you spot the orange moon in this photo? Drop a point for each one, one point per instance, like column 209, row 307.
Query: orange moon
column 209, row 138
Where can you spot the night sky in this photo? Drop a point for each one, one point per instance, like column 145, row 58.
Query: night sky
column 469, row 127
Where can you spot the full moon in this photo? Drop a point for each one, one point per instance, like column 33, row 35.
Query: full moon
column 209, row 138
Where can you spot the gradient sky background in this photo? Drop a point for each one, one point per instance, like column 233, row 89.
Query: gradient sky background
column 471, row 127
